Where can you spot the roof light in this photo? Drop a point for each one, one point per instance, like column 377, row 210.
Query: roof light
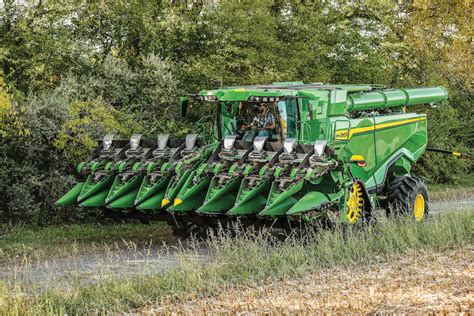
column 254, row 99
column 211, row 98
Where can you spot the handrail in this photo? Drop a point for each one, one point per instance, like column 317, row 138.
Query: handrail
column 306, row 127
column 201, row 126
column 334, row 129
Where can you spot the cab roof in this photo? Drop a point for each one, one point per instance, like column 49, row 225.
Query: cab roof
column 278, row 89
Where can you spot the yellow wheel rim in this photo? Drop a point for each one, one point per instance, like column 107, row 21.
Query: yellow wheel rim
column 355, row 202
column 419, row 207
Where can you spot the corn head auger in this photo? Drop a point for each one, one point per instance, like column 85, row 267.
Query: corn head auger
column 323, row 153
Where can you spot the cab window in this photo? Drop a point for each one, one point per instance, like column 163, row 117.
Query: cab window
column 288, row 117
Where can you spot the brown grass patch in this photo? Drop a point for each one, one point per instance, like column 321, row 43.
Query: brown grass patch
column 419, row 282
column 451, row 194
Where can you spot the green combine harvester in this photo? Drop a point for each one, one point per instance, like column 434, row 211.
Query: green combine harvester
column 279, row 154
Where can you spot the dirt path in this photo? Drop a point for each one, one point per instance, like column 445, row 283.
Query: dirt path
column 452, row 205
column 83, row 269
column 144, row 261
column 404, row 285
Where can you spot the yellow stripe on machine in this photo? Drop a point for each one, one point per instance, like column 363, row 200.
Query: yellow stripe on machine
column 342, row 133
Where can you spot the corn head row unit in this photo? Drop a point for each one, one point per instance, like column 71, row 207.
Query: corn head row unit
column 283, row 154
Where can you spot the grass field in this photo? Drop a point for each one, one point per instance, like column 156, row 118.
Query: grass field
column 416, row 282
column 440, row 192
column 223, row 264
column 77, row 239
column 87, row 238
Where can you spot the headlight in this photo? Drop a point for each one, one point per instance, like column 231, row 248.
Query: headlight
column 263, row 99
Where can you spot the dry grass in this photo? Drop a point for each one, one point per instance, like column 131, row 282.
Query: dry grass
column 327, row 265
column 451, row 194
column 417, row 282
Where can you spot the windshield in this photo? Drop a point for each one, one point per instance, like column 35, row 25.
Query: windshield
column 248, row 120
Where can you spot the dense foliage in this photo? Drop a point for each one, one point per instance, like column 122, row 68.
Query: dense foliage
column 72, row 71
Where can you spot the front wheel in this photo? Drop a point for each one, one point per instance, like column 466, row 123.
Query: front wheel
column 408, row 196
column 357, row 204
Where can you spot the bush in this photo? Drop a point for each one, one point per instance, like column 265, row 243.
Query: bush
column 63, row 125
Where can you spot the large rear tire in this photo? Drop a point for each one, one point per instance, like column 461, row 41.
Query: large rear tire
column 408, row 196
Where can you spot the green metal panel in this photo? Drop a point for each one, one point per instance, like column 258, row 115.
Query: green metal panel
column 191, row 194
column 219, row 197
column 120, row 188
column 176, row 184
column 360, row 142
column 251, row 200
column 279, row 202
column 91, row 187
column 309, row 201
column 151, row 203
column 124, row 201
column 97, row 200
column 71, row 196
column 148, row 189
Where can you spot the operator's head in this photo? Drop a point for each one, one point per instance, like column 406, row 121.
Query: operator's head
column 263, row 108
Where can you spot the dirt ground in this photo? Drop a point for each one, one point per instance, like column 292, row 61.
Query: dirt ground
column 416, row 283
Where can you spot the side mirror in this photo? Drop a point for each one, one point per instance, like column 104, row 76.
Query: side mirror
column 183, row 105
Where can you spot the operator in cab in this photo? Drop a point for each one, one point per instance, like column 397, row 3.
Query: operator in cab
column 263, row 124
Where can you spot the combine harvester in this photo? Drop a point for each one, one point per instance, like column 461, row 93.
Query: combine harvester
column 315, row 152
